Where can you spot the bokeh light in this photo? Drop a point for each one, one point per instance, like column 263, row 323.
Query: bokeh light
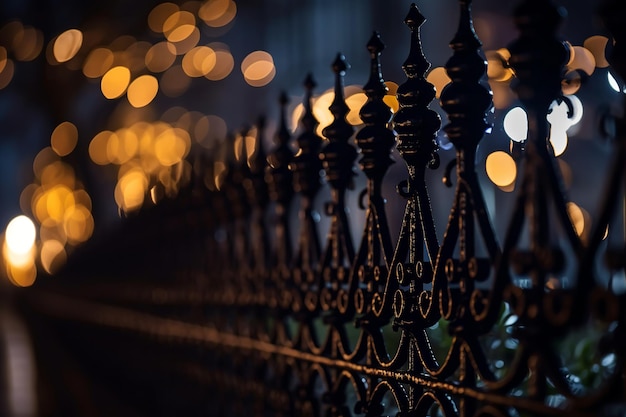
column 501, row 168
column 115, row 82
column 199, row 61
column 64, row 138
column 224, row 62
column 142, row 91
column 20, row 235
column 218, row 13
column 98, row 62
column 159, row 15
column 67, row 45
column 516, row 124
column 160, row 56
column 258, row 68
column 439, row 78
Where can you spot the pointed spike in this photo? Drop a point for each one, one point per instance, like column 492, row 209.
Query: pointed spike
column 465, row 100
column 338, row 155
column 375, row 139
column 414, row 19
column 308, row 120
column 307, row 165
column 340, row 65
column 416, row 64
column 415, row 123
column 375, row 45
column 376, row 84
column 465, row 37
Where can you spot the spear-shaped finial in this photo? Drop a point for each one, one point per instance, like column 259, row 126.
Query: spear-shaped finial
column 416, row 124
column 306, row 165
column 375, row 139
column 280, row 177
column 338, row 156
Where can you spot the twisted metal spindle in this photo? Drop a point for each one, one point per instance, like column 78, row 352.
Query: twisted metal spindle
column 337, row 159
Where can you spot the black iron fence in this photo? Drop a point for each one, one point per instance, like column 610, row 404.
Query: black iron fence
column 209, row 308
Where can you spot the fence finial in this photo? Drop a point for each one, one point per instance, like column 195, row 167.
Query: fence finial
column 280, row 180
column 306, row 167
column 417, row 127
column 369, row 272
column 337, row 159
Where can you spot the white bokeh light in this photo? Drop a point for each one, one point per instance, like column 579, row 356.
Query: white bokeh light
column 516, row 124
column 20, row 235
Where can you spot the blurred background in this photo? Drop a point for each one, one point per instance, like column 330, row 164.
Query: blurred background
column 104, row 104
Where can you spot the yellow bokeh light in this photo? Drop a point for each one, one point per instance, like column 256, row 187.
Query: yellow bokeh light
column 439, row 78
column 122, row 146
column 321, row 112
column 159, row 14
column 78, row 224
column 177, row 20
column 3, row 58
column 67, row 45
column 160, row 56
column 30, row 44
column 64, row 138
column 577, row 217
column 98, row 148
column 52, row 255
column 187, row 44
column 199, row 61
column 142, row 91
column 582, row 59
column 597, row 46
column 98, row 62
column 224, row 64
column 20, row 235
column 115, row 82
column 258, row 68
column 214, row 15
column 22, row 275
column 213, row 9
column 58, row 173
column 7, row 73
column 172, row 146
column 59, row 199
column 181, row 33
column 82, row 197
column 45, row 157
column 296, row 116
column 392, row 101
column 131, row 189
column 355, row 102
column 501, row 168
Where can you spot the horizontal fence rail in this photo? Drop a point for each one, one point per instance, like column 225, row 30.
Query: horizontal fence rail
column 209, row 308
